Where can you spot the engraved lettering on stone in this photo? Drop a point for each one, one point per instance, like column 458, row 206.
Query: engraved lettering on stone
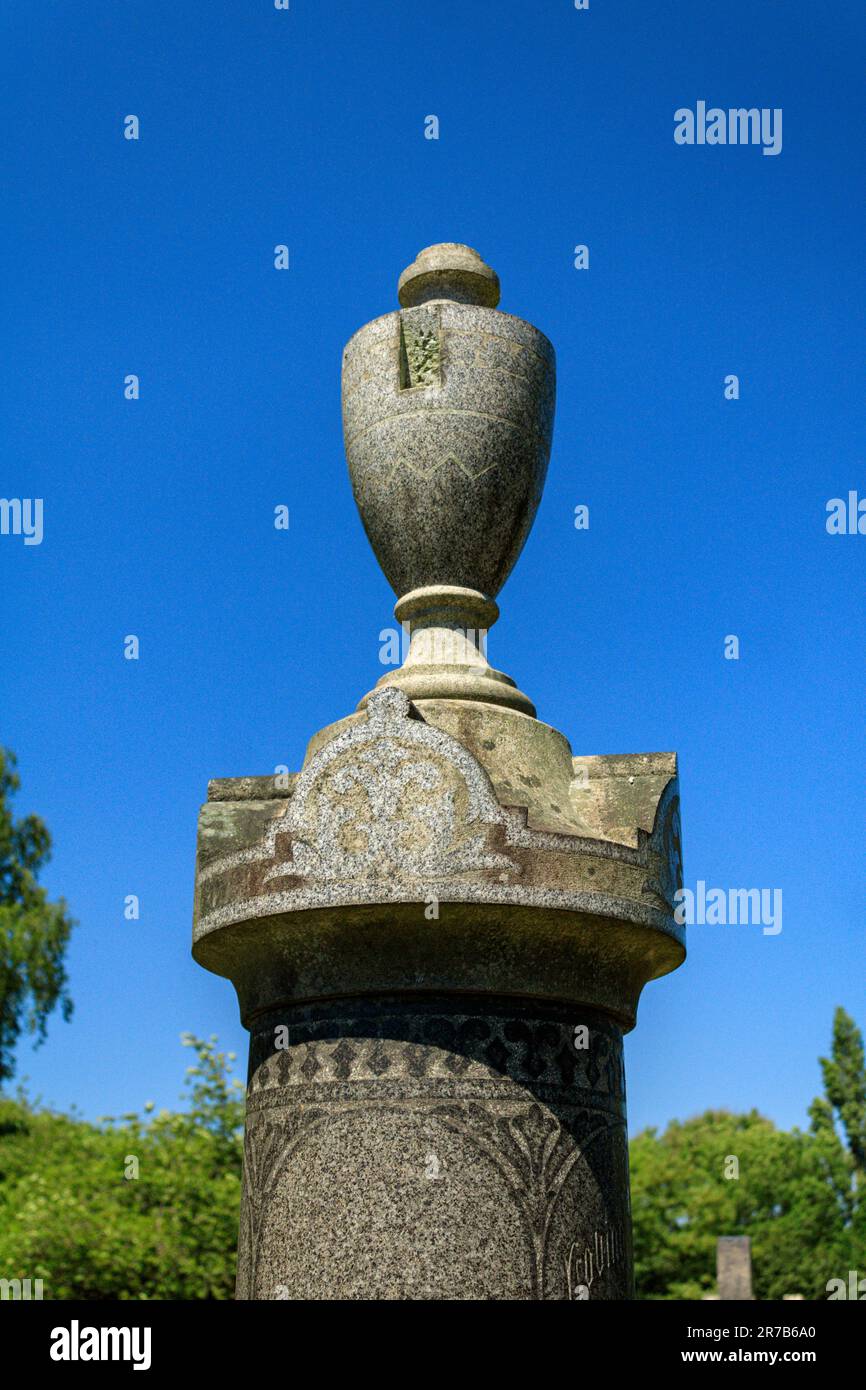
column 585, row 1263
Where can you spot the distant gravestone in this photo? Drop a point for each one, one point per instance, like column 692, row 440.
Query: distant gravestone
column 734, row 1268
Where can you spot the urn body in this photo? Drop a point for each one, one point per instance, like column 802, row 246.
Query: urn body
column 447, row 421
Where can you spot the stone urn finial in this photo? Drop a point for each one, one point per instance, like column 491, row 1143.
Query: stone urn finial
column 447, row 419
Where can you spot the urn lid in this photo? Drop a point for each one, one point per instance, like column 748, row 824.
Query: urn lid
column 448, row 270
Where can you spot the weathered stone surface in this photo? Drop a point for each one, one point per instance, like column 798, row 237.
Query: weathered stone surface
column 447, row 1149
column 440, row 927
column 447, row 475
column 734, row 1268
column 448, row 271
column 447, row 657
column 325, row 892
column 250, row 788
column 447, row 419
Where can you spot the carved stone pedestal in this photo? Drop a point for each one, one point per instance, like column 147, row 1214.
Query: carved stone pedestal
column 436, row 990
column 439, row 929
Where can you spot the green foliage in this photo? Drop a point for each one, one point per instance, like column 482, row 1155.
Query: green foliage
column 33, row 931
column 71, row 1216
column 792, row 1197
column 800, row 1197
column 845, row 1088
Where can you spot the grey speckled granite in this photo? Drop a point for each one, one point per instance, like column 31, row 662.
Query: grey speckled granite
column 440, row 927
column 461, row 449
column 445, row 1149
column 447, row 419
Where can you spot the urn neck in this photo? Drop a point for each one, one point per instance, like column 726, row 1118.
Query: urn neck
column 447, row 655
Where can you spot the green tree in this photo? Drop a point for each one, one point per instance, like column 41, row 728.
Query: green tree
column 844, row 1096
column 788, row 1196
column 147, row 1207
column 132, row 1208
column 33, row 931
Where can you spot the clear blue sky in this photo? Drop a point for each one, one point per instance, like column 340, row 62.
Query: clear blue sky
column 707, row 516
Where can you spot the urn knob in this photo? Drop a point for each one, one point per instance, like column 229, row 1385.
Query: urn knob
column 448, row 271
